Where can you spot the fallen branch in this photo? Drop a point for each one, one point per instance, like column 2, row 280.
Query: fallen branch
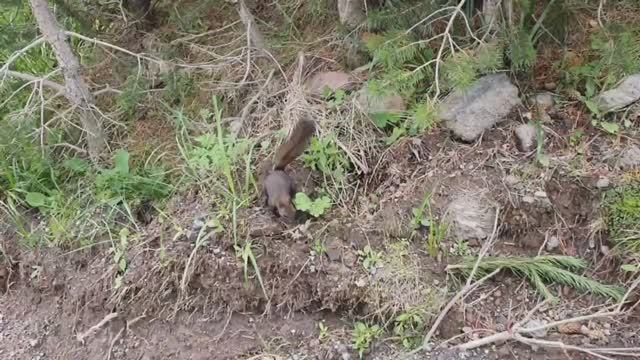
column 468, row 286
column 92, row 330
column 517, row 333
column 34, row 79
column 76, row 89
column 18, row 54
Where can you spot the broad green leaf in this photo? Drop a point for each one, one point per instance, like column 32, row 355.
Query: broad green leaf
column 36, row 199
column 79, row 166
column 320, row 205
column 611, row 128
column 395, row 135
column 544, row 160
column 593, row 107
column 302, row 201
column 118, row 282
column 382, row 119
column 630, row 267
column 122, row 161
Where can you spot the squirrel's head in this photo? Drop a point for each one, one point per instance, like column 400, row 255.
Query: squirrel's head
column 286, row 209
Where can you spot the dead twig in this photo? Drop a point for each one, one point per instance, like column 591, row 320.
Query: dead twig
column 81, row 337
column 468, row 286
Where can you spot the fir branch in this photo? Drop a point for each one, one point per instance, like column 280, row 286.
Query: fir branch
column 544, row 270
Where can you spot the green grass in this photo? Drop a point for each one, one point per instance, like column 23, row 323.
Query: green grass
column 622, row 217
column 613, row 54
column 364, row 335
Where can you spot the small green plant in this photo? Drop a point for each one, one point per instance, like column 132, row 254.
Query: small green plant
column 423, row 217
column 364, row 335
column 409, row 327
column 120, row 183
column 315, row 207
column 246, row 253
column 423, row 117
column 633, row 268
column 622, row 216
column 543, row 270
column 613, row 54
column 217, row 156
column 132, row 95
column 523, row 37
column 576, row 138
column 463, row 68
column 323, row 331
column 119, row 257
column 318, row 247
column 325, row 156
column 541, row 157
column 371, row 259
column 609, row 127
column 334, row 99
column 461, row 248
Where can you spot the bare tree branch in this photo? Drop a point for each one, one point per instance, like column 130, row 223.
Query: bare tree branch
column 77, row 91
column 34, row 79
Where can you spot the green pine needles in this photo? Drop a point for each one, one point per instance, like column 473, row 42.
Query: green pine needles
column 542, row 271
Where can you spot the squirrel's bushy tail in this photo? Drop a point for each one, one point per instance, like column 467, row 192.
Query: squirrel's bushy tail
column 295, row 145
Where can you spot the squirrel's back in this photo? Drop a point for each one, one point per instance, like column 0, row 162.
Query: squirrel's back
column 295, row 145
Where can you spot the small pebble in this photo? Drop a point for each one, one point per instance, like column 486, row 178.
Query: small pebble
column 534, row 323
column 584, row 330
column 553, row 243
column 544, row 101
column 602, row 183
column 528, row 199
column 550, row 86
column 511, row 179
column 540, row 194
column 525, row 137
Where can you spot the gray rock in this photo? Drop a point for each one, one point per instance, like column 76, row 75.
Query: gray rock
column 544, row 101
column 469, row 112
column 540, row 194
column 471, row 215
column 511, row 179
column 333, row 250
column 553, row 243
column 623, row 95
column 374, row 103
column 602, row 183
column 525, row 137
column 351, row 12
column 333, row 80
column 534, row 323
column 630, row 158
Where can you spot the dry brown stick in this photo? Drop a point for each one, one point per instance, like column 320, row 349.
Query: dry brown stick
column 557, row 344
column 92, row 330
column 468, row 287
column 35, row 79
column 113, row 342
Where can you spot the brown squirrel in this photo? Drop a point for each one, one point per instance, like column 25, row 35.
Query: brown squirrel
column 278, row 188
